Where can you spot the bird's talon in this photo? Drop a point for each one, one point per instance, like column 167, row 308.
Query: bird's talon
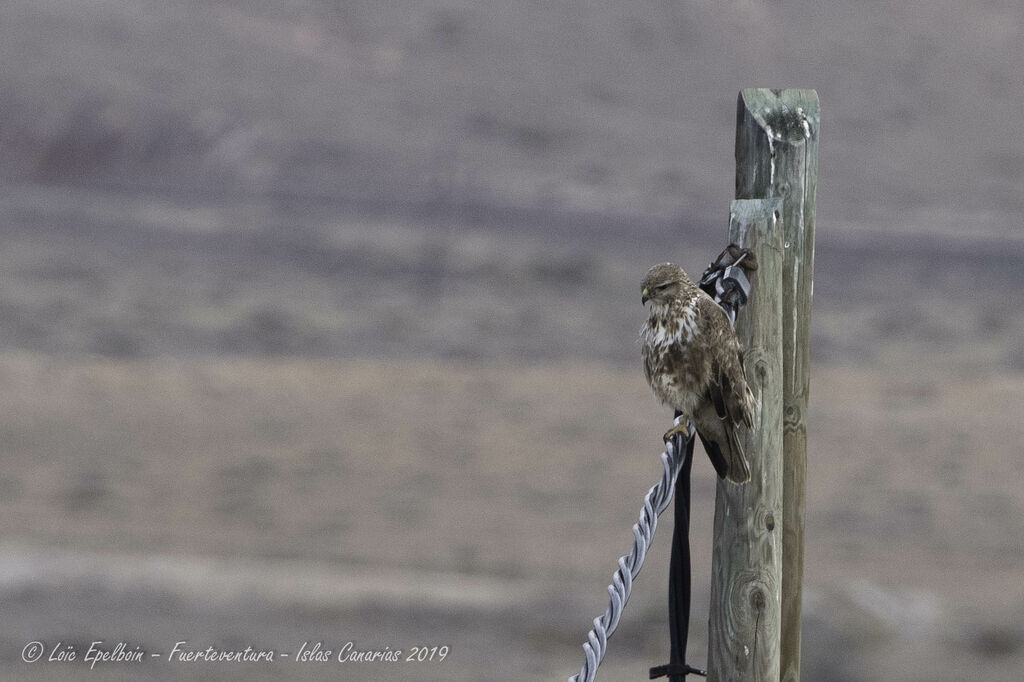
column 678, row 430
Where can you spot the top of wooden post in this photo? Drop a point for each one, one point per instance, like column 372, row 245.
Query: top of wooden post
column 767, row 119
column 790, row 115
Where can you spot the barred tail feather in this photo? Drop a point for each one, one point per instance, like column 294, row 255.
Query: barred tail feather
column 721, row 442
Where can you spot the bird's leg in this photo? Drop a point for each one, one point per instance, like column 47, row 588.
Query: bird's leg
column 681, row 428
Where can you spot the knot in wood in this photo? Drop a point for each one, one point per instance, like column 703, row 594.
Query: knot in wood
column 792, row 418
column 756, row 363
column 757, row 599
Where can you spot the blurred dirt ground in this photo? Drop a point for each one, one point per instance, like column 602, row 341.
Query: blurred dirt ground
column 396, row 431
column 387, row 502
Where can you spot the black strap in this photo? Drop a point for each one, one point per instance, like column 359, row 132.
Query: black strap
column 679, row 576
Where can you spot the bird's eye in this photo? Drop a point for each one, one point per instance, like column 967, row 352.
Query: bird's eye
column 661, row 287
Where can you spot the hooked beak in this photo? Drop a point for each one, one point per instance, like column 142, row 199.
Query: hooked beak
column 644, row 297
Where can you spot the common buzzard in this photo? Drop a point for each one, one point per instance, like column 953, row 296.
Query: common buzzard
column 694, row 364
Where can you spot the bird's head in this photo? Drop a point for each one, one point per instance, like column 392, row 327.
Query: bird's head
column 662, row 284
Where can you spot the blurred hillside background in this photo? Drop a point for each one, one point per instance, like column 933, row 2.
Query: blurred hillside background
column 318, row 322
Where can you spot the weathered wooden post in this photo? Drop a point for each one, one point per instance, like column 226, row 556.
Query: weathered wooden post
column 746, row 584
column 777, row 156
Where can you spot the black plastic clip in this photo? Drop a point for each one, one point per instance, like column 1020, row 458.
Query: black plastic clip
column 676, row 670
column 733, row 287
column 726, row 281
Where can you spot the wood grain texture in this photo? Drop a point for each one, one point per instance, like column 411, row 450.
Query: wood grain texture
column 746, row 580
column 777, row 156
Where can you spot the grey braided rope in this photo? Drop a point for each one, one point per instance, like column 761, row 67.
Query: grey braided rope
column 655, row 502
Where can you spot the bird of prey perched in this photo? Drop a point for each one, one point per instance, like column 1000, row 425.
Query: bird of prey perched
column 693, row 363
